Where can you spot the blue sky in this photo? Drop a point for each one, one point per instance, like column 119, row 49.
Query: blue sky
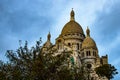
column 31, row 19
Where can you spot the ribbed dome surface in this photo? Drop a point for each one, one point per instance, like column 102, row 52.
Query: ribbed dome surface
column 88, row 42
column 72, row 27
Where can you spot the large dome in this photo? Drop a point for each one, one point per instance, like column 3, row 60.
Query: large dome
column 88, row 42
column 72, row 26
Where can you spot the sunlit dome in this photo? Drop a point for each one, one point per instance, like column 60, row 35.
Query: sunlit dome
column 88, row 42
column 72, row 26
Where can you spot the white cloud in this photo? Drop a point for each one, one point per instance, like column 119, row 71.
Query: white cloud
column 85, row 14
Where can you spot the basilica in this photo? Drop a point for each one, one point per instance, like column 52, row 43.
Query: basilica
column 83, row 47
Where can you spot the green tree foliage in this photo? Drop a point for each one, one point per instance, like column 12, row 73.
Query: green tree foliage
column 33, row 64
column 106, row 70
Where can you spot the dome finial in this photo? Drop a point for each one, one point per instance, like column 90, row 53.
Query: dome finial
column 72, row 15
column 88, row 31
column 49, row 36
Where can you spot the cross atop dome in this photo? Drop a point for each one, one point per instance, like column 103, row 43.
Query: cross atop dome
column 88, row 31
column 72, row 14
column 72, row 27
column 49, row 36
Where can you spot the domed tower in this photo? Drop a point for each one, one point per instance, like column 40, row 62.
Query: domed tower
column 48, row 43
column 89, row 51
column 72, row 34
column 71, row 38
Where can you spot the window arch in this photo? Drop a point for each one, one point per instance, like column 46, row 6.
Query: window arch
column 78, row 47
column 69, row 44
column 88, row 53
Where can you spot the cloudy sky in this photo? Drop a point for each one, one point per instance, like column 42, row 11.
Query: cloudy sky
column 31, row 19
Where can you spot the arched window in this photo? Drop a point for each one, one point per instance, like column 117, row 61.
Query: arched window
column 78, row 46
column 69, row 44
column 93, row 53
column 88, row 53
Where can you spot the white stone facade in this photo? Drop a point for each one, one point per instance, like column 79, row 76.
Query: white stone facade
column 84, row 49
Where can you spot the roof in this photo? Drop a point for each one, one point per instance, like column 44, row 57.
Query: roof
column 72, row 26
column 88, row 42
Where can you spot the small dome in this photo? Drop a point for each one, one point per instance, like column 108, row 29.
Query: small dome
column 72, row 26
column 48, row 42
column 88, row 42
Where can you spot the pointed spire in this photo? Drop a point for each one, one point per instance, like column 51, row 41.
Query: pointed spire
column 49, row 36
column 72, row 14
column 88, row 31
